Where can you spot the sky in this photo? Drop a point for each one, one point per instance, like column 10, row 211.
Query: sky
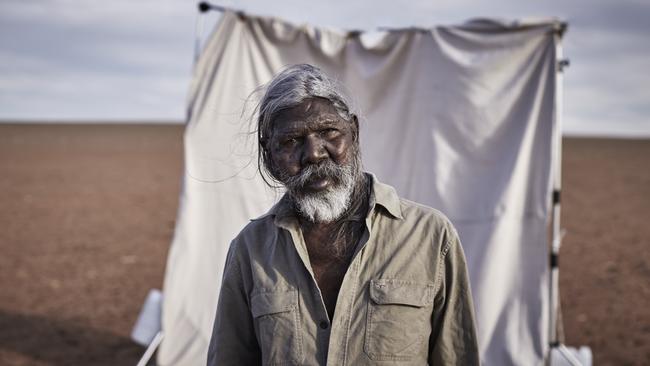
column 131, row 60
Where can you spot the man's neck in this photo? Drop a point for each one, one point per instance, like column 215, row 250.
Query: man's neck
column 337, row 239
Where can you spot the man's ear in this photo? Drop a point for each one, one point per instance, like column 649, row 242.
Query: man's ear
column 355, row 128
column 266, row 151
column 266, row 154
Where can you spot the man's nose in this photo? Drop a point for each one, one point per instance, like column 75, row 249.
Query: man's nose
column 314, row 150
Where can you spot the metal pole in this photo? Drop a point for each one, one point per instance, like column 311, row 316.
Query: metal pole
column 151, row 349
column 556, row 235
column 198, row 29
column 203, row 8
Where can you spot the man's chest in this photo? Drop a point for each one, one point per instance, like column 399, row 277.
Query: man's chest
column 329, row 277
column 383, row 300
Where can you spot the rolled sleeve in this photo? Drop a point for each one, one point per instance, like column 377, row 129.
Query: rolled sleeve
column 233, row 339
column 453, row 340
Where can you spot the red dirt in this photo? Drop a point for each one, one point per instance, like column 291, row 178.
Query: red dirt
column 88, row 213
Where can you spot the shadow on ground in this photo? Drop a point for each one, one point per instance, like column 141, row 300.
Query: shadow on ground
column 60, row 342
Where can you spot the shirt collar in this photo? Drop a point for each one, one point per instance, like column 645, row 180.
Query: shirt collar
column 382, row 195
column 385, row 196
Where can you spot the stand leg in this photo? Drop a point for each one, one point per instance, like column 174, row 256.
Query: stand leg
column 151, row 349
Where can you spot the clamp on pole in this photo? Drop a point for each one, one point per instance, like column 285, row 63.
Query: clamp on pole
column 563, row 63
column 205, row 6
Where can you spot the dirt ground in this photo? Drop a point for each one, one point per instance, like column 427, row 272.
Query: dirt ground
column 605, row 258
column 87, row 214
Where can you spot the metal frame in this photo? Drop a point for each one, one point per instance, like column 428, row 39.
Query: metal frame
column 556, row 238
column 155, row 342
column 556, row 232
column 203, row 8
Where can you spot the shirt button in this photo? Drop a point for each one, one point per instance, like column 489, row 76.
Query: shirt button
column 323, row 324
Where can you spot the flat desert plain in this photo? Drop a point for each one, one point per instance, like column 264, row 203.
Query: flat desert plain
column 87, row 214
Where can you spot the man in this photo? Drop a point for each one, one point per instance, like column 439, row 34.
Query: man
column 341, row 271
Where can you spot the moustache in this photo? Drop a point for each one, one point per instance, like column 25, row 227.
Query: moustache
column 327, row 169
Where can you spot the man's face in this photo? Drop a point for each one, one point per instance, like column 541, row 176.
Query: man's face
column 314, row 152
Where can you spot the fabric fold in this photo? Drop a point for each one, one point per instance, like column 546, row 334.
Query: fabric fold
column 459, row 118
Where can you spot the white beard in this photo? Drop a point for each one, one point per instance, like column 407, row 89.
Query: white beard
column 326, row 206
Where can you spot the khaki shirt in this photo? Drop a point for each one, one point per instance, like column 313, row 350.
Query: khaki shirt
column 405, row 298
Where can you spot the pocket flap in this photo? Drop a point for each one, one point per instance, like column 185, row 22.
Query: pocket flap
column 391, row 291
column 265, row 303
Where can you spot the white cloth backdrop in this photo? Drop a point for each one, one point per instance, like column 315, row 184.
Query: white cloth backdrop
column 459, row 118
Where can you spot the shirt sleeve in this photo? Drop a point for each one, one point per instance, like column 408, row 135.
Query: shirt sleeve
column 453, row 339
column 233, row 339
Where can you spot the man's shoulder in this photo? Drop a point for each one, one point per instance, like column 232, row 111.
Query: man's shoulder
column 429, row 222
column 409, row 212
column 256, row 227
column 412, row 210
column 251, row 238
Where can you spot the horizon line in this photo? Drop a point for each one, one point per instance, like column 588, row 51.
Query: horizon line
column 178, row 122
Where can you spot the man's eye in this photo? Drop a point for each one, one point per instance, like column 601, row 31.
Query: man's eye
column 289, row 142
column 330, row 132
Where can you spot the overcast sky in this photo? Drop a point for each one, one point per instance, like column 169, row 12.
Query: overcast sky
column 130, row 60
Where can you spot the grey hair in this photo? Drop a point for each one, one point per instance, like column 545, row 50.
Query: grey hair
column 289, row 88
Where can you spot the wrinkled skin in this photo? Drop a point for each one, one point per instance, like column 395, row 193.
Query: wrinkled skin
column 308, row 134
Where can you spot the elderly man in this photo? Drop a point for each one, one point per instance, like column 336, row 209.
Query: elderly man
column 341, row 271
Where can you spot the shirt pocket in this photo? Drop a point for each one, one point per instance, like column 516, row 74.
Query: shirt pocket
column 278, row 326
column 398, row 319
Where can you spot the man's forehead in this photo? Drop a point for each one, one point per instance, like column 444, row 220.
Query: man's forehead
column 311, row 112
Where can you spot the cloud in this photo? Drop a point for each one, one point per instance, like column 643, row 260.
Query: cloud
column 115, row 15
column 606, row 86
column 132, row 59
column 41, row 91
column 91, row 60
